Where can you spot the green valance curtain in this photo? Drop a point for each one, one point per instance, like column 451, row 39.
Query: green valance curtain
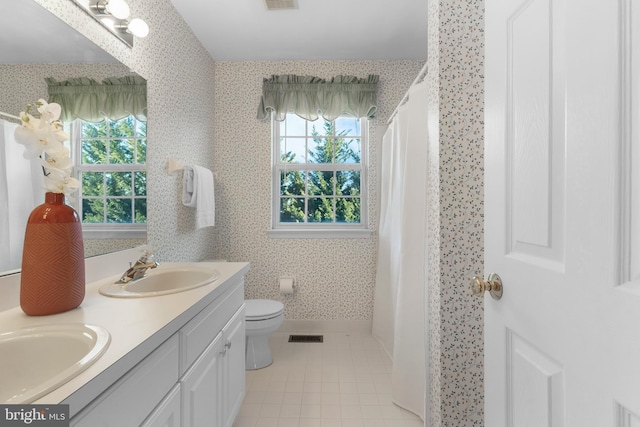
column 312, row 97
column 90, row 100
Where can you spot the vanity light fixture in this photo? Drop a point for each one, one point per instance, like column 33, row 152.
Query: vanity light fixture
column 117, row 8
column 114, row 15
column 136, row 26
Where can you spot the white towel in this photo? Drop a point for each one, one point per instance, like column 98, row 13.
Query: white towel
column 197, row 192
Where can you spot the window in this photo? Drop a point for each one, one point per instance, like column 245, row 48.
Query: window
column 110, row 161
column 319, row 178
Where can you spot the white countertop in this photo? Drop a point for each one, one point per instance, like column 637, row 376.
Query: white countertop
column 137, row 326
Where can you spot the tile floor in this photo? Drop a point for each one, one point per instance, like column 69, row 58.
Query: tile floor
column 343, row 382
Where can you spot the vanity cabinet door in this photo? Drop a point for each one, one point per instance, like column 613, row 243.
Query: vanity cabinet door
column 167, row 413
column 202, row 388
column 233, row 367
column 214, row 387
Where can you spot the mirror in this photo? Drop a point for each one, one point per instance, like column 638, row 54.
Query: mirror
column 36, row 44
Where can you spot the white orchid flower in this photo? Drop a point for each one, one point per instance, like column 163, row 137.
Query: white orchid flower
column 48, row 112
column 59, row 162
column 61, row 135
column 28, row 121
column 39, row 140
column 43, row 137
column 60, row 181
column 30, row 140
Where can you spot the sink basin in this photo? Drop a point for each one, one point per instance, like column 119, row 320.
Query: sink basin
column 36, row 360
column 163, row 280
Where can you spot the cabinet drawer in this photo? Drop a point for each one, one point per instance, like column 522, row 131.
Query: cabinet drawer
column 132, row 398
column 196, row 335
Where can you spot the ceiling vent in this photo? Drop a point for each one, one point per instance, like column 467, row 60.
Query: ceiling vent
column 281, row 4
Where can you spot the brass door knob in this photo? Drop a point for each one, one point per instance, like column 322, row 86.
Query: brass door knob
column 493, row 285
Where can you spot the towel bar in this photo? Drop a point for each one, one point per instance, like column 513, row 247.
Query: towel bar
column 173, row 166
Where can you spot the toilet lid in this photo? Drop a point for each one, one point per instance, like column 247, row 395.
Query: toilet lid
column 261, row 309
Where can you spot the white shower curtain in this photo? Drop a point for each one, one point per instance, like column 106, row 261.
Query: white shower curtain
column 20, row 191
column 399, row 317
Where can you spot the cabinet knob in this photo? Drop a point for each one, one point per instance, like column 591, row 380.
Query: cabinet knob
column 227, row 346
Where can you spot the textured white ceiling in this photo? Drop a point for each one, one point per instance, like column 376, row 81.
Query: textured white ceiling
column 243, row 30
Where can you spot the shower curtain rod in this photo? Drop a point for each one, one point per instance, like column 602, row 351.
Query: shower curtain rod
column 11, row 116
column 421, row 75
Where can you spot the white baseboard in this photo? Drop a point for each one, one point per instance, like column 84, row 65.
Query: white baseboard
column 326, row 326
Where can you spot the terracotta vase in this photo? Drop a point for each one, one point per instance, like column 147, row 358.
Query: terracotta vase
column 52, row 279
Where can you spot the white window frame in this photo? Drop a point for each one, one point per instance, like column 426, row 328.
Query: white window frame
column 319, row 230
column 102, row 230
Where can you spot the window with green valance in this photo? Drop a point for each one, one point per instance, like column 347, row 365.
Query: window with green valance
column 312, row 97
column 114, row 98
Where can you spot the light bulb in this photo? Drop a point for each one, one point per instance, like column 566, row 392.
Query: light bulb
column 138, row 27
column 118, row 8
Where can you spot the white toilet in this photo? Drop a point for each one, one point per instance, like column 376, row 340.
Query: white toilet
column 263, row 317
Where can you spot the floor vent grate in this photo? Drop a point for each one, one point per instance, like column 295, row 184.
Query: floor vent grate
column 306, row 338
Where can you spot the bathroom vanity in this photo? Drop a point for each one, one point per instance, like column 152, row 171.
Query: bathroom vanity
column 173, row 360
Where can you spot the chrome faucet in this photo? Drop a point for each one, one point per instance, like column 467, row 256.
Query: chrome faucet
column 139, row 269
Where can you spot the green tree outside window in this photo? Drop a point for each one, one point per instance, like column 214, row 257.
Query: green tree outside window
column 323, row 195
column 112, row 172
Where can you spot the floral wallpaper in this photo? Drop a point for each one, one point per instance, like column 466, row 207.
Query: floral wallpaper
column 456, row 223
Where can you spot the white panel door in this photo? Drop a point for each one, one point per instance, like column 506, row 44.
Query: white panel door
column 562, row 212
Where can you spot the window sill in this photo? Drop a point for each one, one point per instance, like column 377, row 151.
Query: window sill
column 321, row 234
column 114, row 231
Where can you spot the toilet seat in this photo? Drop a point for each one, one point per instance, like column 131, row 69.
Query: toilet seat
column 262, row 309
